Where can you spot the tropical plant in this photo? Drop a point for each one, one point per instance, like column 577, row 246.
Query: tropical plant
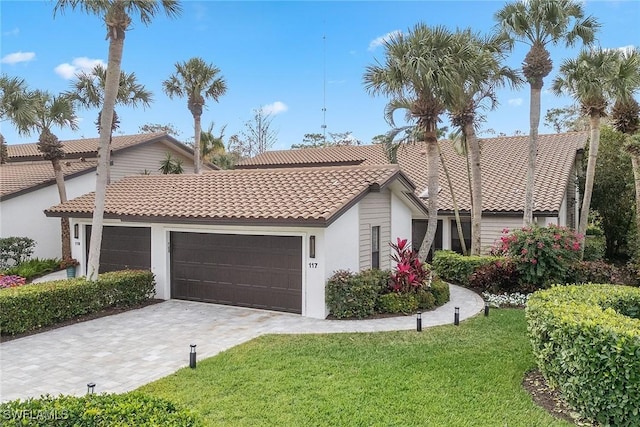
column 626, row 115
column 198, row 81
column 16, row 103
column 590, row 79
column 410, row 274
column 117, row 16
column 477, row 86
column 539, row 23
column 212, row 145
column 53, row 111
column 420, row 71
column 89, row 88
column 171, row 165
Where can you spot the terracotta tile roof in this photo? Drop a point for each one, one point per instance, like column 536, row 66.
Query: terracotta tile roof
column 16, row 178
column 503, row 164
column 292, row 195
column 81, row 147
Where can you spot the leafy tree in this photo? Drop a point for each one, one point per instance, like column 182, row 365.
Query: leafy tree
column 196, row 80
column 539, row 23
column 613, row 191
column 88, row 91
column 566, row 119
column 590, row 79
column 476, row 88
column 53, row 111
column 169, row 129
column 317, row 140
column 211, row 144
column 419, row 73
column 4, row 156
column 117, row 16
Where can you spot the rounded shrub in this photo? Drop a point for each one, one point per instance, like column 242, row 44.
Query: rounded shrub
column 398, row 303
column 351, row 295
column 586, row 341
column 440, row 291
column 129, row 409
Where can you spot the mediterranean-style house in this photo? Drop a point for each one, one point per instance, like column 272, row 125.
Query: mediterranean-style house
column 27, row 184
column 270, row 233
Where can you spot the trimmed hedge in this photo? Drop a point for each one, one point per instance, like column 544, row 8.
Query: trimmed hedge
column 351, row 295
column 34, row 306
column 440, row 291
column 456, row 268
column 129, row 409
column 586, row 340
column 398, row 303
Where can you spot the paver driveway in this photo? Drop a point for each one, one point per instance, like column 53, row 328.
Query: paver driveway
column 124, row 351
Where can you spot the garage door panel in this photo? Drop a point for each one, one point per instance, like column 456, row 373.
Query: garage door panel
column 245, row 270
column 123, row 248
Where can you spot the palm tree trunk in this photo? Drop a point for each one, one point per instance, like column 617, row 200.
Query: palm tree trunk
column 534, row 122
column 476, row 183
column 594, row 143
column 64, row 222
column 635, row 163
column 433, row 165
column 196, row 146
column 456, row 211
column 112, row 82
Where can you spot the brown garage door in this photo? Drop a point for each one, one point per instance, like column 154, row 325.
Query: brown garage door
column 245, row 270
column 123, row 248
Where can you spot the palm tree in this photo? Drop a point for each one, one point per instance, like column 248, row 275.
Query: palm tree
column 53, row 111
column 117, row 18
column 196, row 80
column 539, row 23
column 478, row 84
column 590, row 79
column 88, row 90
column 419, row 74
column 16, row 102
column 626, row 113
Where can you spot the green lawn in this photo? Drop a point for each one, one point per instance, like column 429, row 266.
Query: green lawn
column 468, row 375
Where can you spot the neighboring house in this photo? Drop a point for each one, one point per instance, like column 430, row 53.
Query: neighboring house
column 27, row 184
column 267, row 238
column 504, row 168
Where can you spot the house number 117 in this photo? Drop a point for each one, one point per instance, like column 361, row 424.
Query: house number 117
column 313, row 265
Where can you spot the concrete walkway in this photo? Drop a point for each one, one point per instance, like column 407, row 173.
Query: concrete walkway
column 124, row 351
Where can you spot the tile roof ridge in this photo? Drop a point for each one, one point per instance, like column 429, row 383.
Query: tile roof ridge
column 293, row 168
column 63, row 141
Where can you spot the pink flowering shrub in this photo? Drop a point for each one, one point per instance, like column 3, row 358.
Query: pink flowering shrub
column 409, row 274
column 11, row 281
column 543, row 255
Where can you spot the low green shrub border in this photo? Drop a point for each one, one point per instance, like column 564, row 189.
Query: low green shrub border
column 586, row 340
column 33, row 268
column 129, row 409
column 456, row 268
column 440, row 291
column 398, row 303
column 33, row 306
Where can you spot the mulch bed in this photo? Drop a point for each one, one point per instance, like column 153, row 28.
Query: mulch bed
column 551, row 400
column 106, row 312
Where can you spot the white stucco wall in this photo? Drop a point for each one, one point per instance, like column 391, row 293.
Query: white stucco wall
column 23, row 216
column 401, row 217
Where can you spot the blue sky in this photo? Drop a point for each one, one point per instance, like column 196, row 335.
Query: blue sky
column 272, row 56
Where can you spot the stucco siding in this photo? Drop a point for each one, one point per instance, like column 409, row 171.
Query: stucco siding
column 492, row 227
column 401, row 217
column 137, row 160
column 24, row 216
column 375, row 210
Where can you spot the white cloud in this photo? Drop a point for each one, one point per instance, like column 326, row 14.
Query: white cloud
column 627, row 49
column 378, row 41
column 78, row 65
column 275, row 108
column 515, row 102
column 17, row 57
column 13, row 32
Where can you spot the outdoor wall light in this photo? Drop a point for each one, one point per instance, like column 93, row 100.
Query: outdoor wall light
column 192, row 357
column 90, row 388
column 76, row 231
column 312, row 246
column 419, row 321
column 486, row 308
column 456, row 316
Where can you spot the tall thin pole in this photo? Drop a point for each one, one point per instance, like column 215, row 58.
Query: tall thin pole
column 324, row 89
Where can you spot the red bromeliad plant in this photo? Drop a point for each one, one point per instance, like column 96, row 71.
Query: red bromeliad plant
column 410, row 273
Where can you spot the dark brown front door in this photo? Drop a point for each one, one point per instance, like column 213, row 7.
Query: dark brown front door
column 245, row 270
column 123, row 248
